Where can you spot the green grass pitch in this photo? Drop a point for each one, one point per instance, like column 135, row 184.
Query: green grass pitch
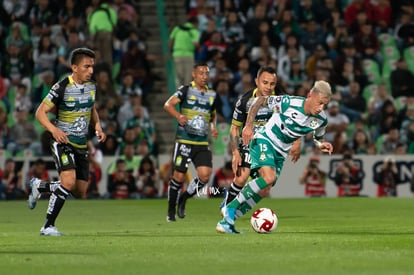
column 314, row 236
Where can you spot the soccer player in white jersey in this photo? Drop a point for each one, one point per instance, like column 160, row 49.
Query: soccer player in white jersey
column 293, row 117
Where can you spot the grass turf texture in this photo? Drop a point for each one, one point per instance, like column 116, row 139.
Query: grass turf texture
column 314, row 236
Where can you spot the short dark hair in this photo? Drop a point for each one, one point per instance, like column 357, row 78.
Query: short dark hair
column 266, row 69
column 200, row 64
column 78, row 54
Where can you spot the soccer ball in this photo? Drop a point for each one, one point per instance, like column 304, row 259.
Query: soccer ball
column 264, row 220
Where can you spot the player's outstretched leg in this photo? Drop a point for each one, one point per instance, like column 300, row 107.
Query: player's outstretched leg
column 193, row 188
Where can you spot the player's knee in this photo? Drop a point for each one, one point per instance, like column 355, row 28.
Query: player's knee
column 270, row 179
column 265, row 192
column 204, row 177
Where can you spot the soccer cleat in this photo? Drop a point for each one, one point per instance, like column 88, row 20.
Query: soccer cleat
column 50, row 231
column 225, row 228
column 171, row 218
column 34, row 195
column 229, row 214
column 181, row 206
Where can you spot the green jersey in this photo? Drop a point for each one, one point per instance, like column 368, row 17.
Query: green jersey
column 290, row 122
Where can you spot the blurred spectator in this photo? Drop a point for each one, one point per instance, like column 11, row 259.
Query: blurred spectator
column 44, row 12
column 4, row 129
column 387, row 117
column 126, row 88
column 367, row 43
column 46, row 81
column 45, row 55
column 348, row 177
column 19, row 37
column 184, row 42
column 349, row 54
column 147, row 179
column 105, row 86
column 296, row 76
column 225, row 102
column 211, row 46
column 15, row 67
column 232, row 29
column 23, row 135
column 95, row 171
column 70, row 10
column 110, row 146
column 387, row 178
column 137, row 62
column 360, row 142
column 222, row 179
column 63, row 55
column 131, row 159
column 143, row 125
column 121, row 183
column 391, row 140
column 337, row 39
column 102, row 22
column 314, row 179
column 264, row 50
column 292, row 41
column 11, row 178
column 337, row 126
column 401, row 80
column 312, row 36
column 39, row 170
column 22, row 99
column 313, row 61
column 357, row 6
column 353, row 104
column 244, row 85
column 124, row 27
column 15, row 10
column 384, row 15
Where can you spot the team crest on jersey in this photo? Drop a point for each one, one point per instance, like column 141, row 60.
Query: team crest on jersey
column 211, row 100
column 313, row 123
column 262, row 156
column 93, row 95
column 191, row 100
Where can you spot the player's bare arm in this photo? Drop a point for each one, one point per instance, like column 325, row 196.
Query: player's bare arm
column 247, row 133
column 234, row 146
column 97, row 125
column 324, row 146
column 169, row 106
column 213, row 123
column 41, row 116
column 294, row 152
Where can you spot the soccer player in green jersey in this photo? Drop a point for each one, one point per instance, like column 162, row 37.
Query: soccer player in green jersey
column 293, row 117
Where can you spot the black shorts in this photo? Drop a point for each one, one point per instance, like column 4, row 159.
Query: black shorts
column 199, row 155
column 68, row 157
column 245, row 155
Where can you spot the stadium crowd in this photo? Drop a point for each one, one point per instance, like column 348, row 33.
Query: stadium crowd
column 364, row 48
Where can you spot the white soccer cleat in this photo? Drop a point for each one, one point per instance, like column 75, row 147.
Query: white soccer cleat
column 50, row 231
column 34, row 195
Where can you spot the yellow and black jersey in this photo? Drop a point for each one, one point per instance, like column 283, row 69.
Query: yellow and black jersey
column 242, row 107
column 74, row 103
column 195, row 104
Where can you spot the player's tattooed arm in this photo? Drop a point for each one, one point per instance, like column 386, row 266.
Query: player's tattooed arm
column 234, row 137
column 254, row 109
